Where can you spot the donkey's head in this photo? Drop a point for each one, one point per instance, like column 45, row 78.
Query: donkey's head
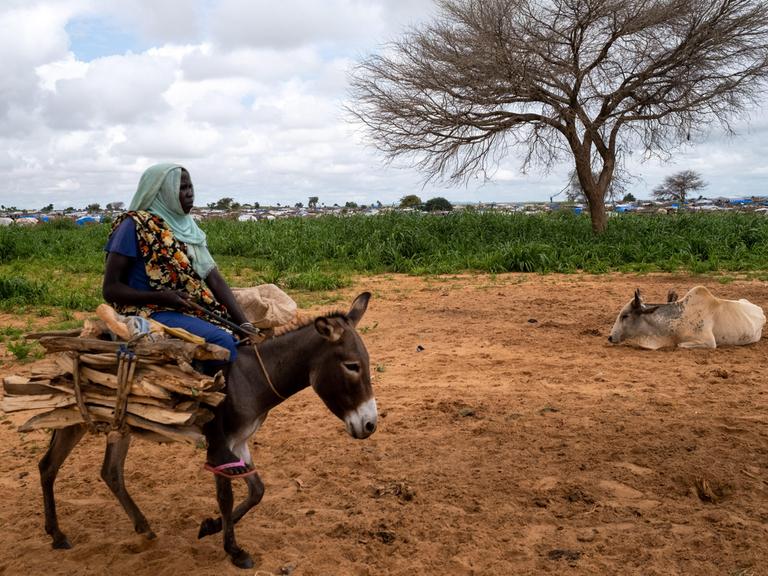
column 340, row 371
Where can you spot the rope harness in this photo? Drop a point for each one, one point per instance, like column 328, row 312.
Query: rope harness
column 126, row 369
column 266, row 374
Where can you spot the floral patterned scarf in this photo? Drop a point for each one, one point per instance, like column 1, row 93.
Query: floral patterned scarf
column 167, row 265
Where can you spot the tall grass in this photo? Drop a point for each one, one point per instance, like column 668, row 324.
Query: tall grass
column 495, row 242
column 61, row 265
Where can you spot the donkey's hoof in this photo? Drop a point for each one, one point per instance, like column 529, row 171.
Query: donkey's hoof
column 61, row 543
column 242, row 559
column 207, row 527
column 149, row 535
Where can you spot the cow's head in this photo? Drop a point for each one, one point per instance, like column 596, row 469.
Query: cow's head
column 635, row 321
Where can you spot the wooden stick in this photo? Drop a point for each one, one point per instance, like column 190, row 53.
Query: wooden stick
column 38, row 335
column 168, row 349
column 38, row 402
column 17, row 386
column 139, row 388
column 189, row 434
column 59, row 418
column 64, row 417
column 168, row 416
column 201, row 382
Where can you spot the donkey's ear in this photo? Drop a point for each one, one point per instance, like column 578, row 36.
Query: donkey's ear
column 328, row 329
column 359, row 306
column 637, row 303
column 671, row 296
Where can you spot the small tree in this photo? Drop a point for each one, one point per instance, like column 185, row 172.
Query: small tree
column 678, row 186
column 438, row 204
column 95, row 207
column 313, row 200
column 410, row 201
column 115, row 205
column 224, row 204
column 351, row 205
column 47, row 208
column 629, row 197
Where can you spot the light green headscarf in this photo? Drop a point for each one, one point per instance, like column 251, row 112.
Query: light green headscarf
column 158, row 193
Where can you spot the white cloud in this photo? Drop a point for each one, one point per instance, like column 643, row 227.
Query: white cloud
column 248, row 94
column 68, row 184
column 264, row 65
column 170, row 139
column 291, row 23
column 29, row 36
column 113, row 90
column 160, row 22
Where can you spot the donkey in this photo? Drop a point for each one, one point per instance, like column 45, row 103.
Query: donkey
column 326, row 354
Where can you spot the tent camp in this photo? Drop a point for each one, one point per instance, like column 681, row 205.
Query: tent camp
column 83, row 220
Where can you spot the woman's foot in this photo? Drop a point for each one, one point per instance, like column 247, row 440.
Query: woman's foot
column 224, row 463
column 115, row 323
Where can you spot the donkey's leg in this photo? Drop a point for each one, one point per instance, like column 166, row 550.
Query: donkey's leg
column 112, row 474
column 62, row 442
column 239, row 557
column 255, row 493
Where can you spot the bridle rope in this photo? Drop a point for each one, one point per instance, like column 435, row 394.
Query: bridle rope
column 266, row 374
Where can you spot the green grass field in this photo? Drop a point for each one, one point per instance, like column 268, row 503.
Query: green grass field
column 60, row 264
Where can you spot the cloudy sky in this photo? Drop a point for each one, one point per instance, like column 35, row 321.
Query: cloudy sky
column 248, row 95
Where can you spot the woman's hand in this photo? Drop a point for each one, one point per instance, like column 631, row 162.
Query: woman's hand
column 176, row 299
column 223, row 293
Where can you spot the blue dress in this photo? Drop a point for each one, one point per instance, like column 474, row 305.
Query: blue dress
column 123, row 241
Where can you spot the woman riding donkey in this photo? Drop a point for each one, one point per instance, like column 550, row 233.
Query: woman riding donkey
column 158, row 266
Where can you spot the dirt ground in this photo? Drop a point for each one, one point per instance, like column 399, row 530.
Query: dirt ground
column 513, row 439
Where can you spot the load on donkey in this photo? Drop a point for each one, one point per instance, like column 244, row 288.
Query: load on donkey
column 149, row 389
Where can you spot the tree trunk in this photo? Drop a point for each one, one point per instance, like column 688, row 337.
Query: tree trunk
column 595, row 186
column 594, row 189
column 597, row 214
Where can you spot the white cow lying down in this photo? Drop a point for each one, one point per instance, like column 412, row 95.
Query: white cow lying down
column 698, row 320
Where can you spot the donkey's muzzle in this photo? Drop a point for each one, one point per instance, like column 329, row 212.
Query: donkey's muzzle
column 362, row 421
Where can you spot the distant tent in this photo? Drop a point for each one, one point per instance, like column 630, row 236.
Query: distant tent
column 740, row 201
column 26, row 220
column 43, row 217
column 83, row 220
column 624, row 208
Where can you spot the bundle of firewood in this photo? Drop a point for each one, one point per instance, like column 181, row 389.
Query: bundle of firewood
column 149, row 387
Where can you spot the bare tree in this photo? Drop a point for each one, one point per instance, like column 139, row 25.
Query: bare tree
column 679, row 186
column 580, row 80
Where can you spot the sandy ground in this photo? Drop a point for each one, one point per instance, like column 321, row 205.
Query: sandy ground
column 513, row 439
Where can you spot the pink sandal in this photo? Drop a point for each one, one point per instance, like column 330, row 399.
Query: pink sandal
column 220, row 469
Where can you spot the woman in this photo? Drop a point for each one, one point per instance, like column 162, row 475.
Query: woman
column 158, row 261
